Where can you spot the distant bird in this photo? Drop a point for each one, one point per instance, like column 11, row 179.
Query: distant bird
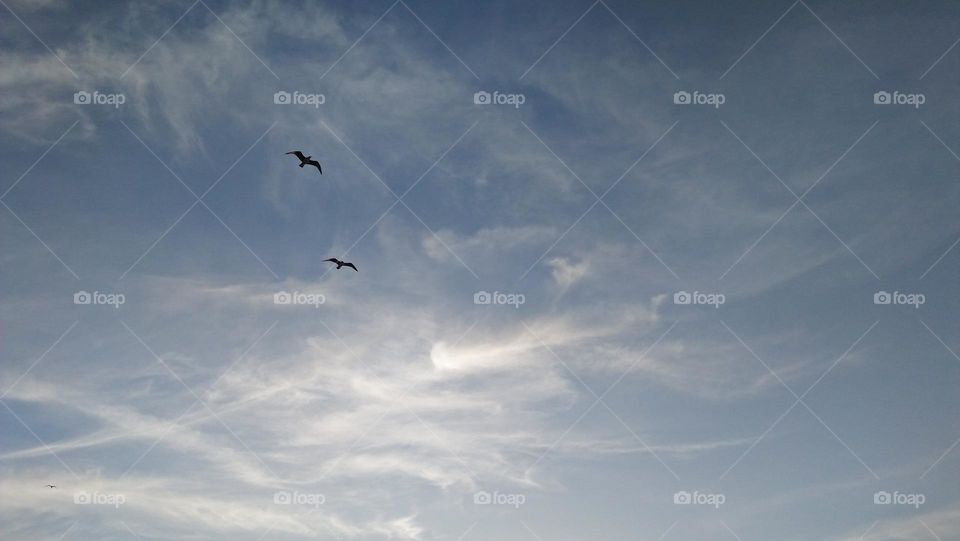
column 342, row 263
column 52, row 486
column 306, row 160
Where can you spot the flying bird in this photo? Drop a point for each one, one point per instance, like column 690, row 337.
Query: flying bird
column 342, row 263
column 306, row 160
column 51, row 486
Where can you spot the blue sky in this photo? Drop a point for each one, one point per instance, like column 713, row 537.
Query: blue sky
column 729, row 319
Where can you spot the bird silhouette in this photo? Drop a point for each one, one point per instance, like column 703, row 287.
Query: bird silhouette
column 342, row 263
column 306, row 160
column 52, row 486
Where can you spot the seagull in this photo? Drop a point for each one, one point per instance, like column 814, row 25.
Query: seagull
column 51, row 486
column 306, row 160
column 342, row 263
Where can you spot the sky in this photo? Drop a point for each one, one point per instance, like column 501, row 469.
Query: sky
column 627, row 270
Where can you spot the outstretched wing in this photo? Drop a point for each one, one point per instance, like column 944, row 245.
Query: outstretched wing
column 351, row 265
column 316, row 164
column 332, row 260
column 297, row 153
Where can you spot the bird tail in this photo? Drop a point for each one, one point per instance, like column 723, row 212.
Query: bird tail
column 301, row 165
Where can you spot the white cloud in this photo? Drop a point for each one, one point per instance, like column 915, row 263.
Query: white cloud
column 941, row 524
column 566, row 273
